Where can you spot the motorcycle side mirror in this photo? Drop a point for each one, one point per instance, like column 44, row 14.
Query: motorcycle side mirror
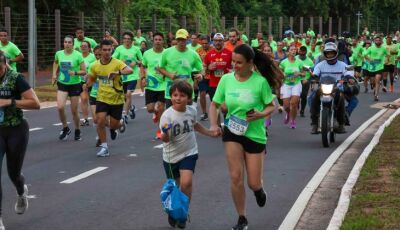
column 307, row 68
column 350, row 67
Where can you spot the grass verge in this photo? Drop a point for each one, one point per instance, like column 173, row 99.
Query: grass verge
column 375, row 201
column 46, row 93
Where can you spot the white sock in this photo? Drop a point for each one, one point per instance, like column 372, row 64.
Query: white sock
column 104, row 145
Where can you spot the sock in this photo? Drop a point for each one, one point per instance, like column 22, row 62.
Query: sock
column 104, row 145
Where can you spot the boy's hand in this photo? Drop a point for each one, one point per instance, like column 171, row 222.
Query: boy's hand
column 166, row 127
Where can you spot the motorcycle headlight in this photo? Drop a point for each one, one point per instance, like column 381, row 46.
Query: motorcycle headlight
column 327, row 89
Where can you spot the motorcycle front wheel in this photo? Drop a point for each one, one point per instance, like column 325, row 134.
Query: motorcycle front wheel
column 325, row 129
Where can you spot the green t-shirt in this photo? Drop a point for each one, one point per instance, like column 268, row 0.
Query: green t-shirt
column 398, row 61
column 181, row 63
column 378, row 57
column 11, row 51
column 128, row 56
column 288, row 41
column 95, row 86
column 67, row 63
column 306, row 62
column 392, row 51
column 357, row 57
column 240, row 97
column 365, row 64
column 77, row 43
column 137, row 41
column 244, row 38
column 310, row 33
column 289, row 69
column 254, row 43
column 151, row 61
column 194, row 48
column 273, row 45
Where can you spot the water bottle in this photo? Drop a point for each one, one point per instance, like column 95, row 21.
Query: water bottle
column 2, row 114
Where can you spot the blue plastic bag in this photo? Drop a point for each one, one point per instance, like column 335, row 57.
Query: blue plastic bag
column 174, row 202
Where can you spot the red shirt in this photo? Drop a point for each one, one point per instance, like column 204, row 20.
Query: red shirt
column 223, row 59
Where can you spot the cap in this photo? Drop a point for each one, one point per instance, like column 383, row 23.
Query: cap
column 218, row 36
column 182, row 33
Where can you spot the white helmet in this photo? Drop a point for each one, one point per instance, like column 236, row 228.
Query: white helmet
column 329, row 47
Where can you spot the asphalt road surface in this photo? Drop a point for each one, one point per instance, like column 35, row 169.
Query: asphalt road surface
column 125, row 193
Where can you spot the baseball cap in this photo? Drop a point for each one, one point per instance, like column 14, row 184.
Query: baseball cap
column 218, row 36
column 182, row 33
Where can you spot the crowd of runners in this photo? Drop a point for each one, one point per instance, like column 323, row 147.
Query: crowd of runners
column 241, row 77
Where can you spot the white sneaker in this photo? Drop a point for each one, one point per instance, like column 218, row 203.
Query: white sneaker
column 22, row 202
column 103, row 152
column 123, row 126
column 1, row 224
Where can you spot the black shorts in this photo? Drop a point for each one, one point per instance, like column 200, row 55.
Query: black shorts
column 248, row 145
column 115, row 111
column 154, row 96
column 373, row 74
column 129, row 85
column 203, row 85
column 187, row 163
column 72, row 90
column 92, row 100
column 211, row 92
column 357, row 69
column 389, row 68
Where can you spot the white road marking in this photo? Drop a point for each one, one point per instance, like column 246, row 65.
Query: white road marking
column 59, row 124
column 35, row 129
column 83, row 175
column 299, row 206
column 160, row 146
column 132, row 155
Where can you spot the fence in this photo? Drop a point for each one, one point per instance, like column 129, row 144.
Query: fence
column 51, row 28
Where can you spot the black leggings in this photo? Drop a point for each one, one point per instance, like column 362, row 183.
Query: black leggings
column 13, row 143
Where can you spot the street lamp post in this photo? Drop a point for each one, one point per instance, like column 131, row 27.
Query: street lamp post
column 359, row 14
column 31, row 44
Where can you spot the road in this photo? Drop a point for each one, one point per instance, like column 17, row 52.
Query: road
column 125, row 195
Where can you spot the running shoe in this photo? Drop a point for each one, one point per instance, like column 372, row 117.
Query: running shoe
column 113, row 134
column 384, row 89
column 22, row 202
column 132, row 112
column 286, row 119
column 204, row 117
column 1, row 224
column 241, row 224
column 65, row 132
column 267, row 123
column 261, row 197
column 171, row 221
column 125, row 117
column 103, row 152
column 302, row 113
column 158, row 135
column 85, row 122
column 376, row 98
column 314, row 129
column 293, row 125
column 280, row 109
column 78, row 135
column 142, row 94
column 366, row 90
column 181, row 225
column 122, row 128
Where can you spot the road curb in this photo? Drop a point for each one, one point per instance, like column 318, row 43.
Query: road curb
column 345, row 196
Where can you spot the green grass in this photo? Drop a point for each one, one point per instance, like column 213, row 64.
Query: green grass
column 46, row 93
column 375, row 202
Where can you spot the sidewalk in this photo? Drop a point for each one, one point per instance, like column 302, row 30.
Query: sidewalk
column 323, row 202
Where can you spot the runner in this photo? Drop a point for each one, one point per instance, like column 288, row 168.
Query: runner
column 376, row 55
column 194, row 45
column 180, row 151
column 88, row 57
column 390, row 62
column 365, row 66
column 108, row 36
column 356, row 57
column 291, row 88
column 305, row 81
column 138, row 39
column 153, row 80
column 249, row 99
column 110, row 95
column 310, row 33
column 80, row 37
column 11, row 51
column 131, row 56
column 15, row 95
column 233, row 40
column 205, row 42
column 272, row 42
column 71, row 67
column 255, row 42
column 279, row 56
column 180, row 62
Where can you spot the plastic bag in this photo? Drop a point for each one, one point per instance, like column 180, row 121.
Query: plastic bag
column 174, row 202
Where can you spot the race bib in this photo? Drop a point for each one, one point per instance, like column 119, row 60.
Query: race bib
column 237, row 126
column 219, row 73
column 1, row 115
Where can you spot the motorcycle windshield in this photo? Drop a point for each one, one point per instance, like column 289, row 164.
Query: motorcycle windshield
column 328, row 80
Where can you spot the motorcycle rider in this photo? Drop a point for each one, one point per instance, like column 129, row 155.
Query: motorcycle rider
column 330, row 66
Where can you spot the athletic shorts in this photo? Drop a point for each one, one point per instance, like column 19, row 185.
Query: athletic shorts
column 187, row 163
column 248, row 145
column 203, row 85
column 373, row 74
column 72, row 90
column 154, row 96
column 92, row 100
column 211, row 92
column 129, row 85
column 357, row 69
column 115, row 111
column 287, row 90
column 389, row 68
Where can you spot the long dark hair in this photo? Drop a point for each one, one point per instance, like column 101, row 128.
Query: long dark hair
column 264, row 64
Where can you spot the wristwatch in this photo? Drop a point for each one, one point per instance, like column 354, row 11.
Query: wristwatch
column 13, row 102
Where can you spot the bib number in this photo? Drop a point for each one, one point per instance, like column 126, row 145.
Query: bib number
column 237, row 126
column 219, row 73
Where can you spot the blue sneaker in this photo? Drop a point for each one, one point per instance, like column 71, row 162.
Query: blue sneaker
column 132, row 112
column 103, row 152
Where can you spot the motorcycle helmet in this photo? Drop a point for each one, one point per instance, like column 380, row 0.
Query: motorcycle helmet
column 331, row 47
